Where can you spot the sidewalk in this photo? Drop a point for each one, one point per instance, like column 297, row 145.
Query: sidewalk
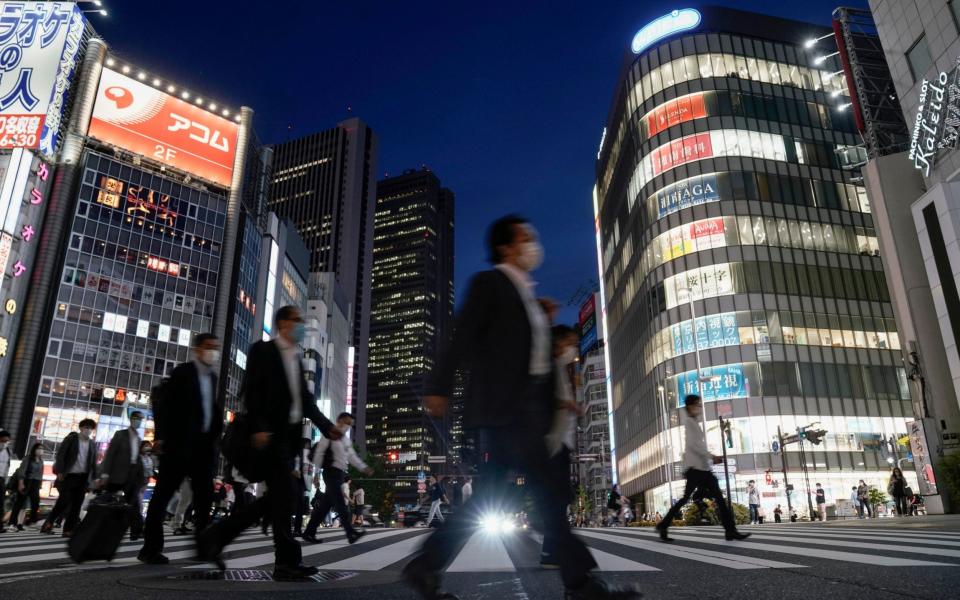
column 921, row 522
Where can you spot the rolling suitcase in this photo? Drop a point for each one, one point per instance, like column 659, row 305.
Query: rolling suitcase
column 99, row 534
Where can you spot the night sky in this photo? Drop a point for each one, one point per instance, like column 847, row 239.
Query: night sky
column 504, row 101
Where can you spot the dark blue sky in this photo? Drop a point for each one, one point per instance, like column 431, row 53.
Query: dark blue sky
column 505, row 101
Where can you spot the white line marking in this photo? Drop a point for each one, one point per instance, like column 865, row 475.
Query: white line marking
column 482, row 553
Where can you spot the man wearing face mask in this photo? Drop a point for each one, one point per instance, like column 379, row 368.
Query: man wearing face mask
column 122, row 471
column 502, row 338
column 6, row 457
column 75, row 466
column 277, row 399
column 189, row 420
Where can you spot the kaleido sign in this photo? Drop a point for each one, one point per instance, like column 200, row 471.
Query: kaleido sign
column 937, row 124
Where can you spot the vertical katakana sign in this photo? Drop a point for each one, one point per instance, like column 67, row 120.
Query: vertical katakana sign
column 39, row 47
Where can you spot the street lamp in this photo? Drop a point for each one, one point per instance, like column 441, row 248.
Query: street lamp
column 666, row 442
column 813, row 41
column 696, row 352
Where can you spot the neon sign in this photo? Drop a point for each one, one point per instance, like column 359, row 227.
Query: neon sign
column 667, row 25
column 163, row 266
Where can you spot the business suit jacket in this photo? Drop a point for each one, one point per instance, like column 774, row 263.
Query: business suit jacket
column 116, row 462
column 492, row 340
column 268, row 397
column 179, row 418
column 67, row 455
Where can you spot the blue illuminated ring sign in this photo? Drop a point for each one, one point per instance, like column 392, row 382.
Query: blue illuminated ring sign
column 665, row 26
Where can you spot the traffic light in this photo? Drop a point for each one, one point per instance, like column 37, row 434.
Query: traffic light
column 802, row 434
column 394, row 456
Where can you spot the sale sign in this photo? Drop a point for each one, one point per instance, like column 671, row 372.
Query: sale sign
column 149, row 122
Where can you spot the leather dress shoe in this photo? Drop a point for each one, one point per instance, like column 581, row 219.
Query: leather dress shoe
column 293, row 572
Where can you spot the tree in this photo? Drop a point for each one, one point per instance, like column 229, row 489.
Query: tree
column 584, row 505
column 378, row 488
column 691, row 515
column 876, row 498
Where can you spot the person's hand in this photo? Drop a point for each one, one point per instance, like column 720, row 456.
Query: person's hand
column 436, row 406
column 334, row 433
column 368, row 472
column 260, row 440
column 60, row 477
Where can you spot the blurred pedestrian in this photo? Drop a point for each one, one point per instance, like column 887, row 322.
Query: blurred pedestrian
column 359, row 502
column 753, row 499
column 301, row 479
column 189, row 420
column 863, row 499
column 855, row 501
column 277, row 400
column 697, row 461
column 467, row 492
column 777, row 514
column 75, row 466
column 28, row 479
column 122, row 471
column 6, row 457
column 437, row 497
column 821, row 495
column 502, row 334
column 897, row 488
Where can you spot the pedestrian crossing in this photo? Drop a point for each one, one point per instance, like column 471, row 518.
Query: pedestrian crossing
column 623, row 550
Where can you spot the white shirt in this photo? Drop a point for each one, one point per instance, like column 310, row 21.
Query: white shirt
column 5, row 453
column 291, row 363
column 540, row 343
column 84, row 447
column 467, row 491
column 206, row 393
column 695, row 452
column 343, row 454
column 359, row 497
column 134, row 445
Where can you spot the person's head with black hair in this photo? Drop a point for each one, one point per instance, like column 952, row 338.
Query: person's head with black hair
column 136, row 419
column 512, row 240
column 206, row 348
column 345, row 421
column 565, row 339
column 693, row 405
column 87, row 427
column 289, row 324
column 36, row 452
column 4, row 436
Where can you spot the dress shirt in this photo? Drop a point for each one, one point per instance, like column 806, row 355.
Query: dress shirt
column 539, row 323
column 134, row 446
column 291, row 364
column 695, row 452
column 343, row 454
column 359, row 497
column 205, row 376
column 84, row 448
column 5, row 461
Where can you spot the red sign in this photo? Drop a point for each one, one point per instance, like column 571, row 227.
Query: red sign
column 683, row 109
column 706, row 227
column 20, row 131
column 589, row 308
column 146, row 121
column 676, row 153
column 159, row 264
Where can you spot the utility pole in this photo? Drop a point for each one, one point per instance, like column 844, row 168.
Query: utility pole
column 783, row 461
column 806, row 473
column 724, row 432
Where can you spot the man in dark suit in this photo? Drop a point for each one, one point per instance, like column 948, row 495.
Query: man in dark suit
column 75, row 467
column 277, row 400
column 122, row 471
column 189, row 420
column 502, row 338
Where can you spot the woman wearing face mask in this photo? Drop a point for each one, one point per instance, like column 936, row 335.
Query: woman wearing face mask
column 28, row 478
column 561, row 439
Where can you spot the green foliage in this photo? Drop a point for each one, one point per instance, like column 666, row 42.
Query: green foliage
column 950, row 473
column 876, row 497
column 378, row 490
column 691, row 515
column 584, row 505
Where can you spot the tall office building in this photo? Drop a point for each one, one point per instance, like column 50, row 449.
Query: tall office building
column 411, row 319
column 738, row 259
column 323, row 184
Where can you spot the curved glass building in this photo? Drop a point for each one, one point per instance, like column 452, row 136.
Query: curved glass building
column 734, row 236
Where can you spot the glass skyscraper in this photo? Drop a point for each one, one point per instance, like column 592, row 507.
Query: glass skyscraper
column 735, row 239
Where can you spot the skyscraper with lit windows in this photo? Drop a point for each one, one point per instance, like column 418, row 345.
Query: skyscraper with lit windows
column 411, row 320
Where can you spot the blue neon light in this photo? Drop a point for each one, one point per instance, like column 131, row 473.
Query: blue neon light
column 665, row 26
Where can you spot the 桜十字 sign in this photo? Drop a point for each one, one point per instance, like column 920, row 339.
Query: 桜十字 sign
column 937, row 124
column 146, row 121
column 39, row 47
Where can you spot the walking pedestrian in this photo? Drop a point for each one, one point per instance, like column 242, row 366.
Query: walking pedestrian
column 301, row 479
column 148, row 465
column 122, row 471
column 334, row 458
column 467, row 492
column 277, row 399
column 189, row 420
column 6, row 457
column 821, row 503
column 897, row 488
column 697, row 460
column 778, row 514
column 184, row 513
column 241, row 487
column 562, row 436
column 359, row 501
column 437, row 497
column 753, row 498
column 855, row 501
column 613, row 505
column 863, row 499
column 28, row 479
column 75, row 466
column 502, row 335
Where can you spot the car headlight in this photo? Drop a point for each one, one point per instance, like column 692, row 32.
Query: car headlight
column 497, row 524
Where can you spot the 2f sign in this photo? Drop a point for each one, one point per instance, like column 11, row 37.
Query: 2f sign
column 164, row 153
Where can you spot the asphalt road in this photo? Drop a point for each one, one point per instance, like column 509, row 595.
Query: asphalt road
column 889, row 558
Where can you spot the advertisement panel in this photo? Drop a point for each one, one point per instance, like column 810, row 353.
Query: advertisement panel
column 588, row 309
column 720, row 383
column 588, row 341
column 149, row 122
column 708, row 233
column 921, row 454
column 713, row 331
column 689, row 192
column 39, row 48
column 678, row 152
column 683, row 109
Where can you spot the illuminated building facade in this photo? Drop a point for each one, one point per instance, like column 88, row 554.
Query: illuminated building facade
column 411, row 320
column 739, row 260
column 324, row 184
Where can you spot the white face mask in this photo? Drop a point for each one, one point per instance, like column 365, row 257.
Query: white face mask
column 569, row 355
column 136, row 423
column 531, row 256
column 210, row 357
column 85, row 432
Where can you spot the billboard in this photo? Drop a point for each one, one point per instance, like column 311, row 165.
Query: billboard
column 713, row 331
column 588, row 325
column 39, row 48
column 682, row 151
column 689, row 192
column 683, row 109
column 717, row 383
column 154, row 124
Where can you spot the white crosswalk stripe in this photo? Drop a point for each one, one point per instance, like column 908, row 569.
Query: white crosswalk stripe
column 615, row 550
